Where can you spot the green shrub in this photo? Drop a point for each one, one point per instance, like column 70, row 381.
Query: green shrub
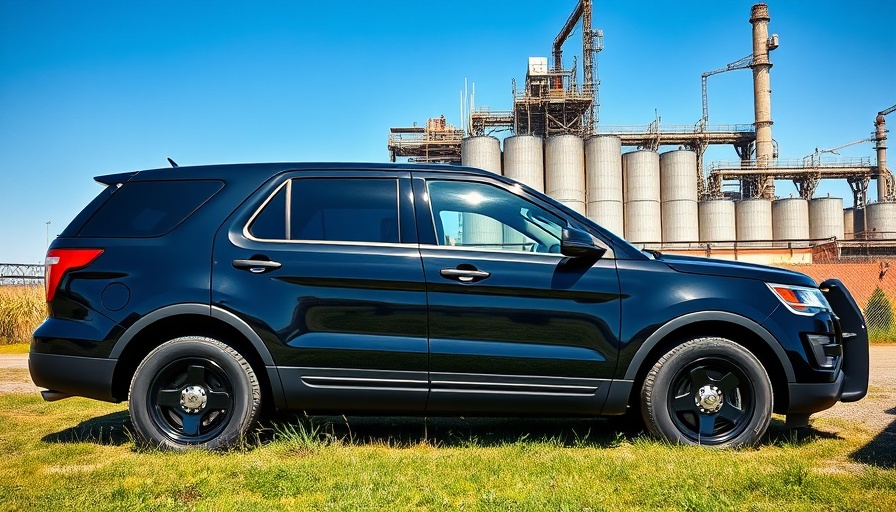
column 879, row 317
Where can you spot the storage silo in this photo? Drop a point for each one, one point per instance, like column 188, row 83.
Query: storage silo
column 641, row 178
column 858, row 223
column 881, row 221
column 753, row 220
column 524, row 160
column 482, row 152
column 564, row 170
column 790, row 219
column 717, row 220
column 603, row 178
column 826, row 218
column 678, row 194
column 848, row 223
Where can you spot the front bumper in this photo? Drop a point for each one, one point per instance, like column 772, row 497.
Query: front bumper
column 855, row 341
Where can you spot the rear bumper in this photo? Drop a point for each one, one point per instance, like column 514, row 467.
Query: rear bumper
column 73, row 375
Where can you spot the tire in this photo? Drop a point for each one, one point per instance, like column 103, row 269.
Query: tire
column 708, row 391
column 193, row 392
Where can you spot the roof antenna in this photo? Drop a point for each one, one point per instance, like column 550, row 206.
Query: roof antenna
column 173, row 163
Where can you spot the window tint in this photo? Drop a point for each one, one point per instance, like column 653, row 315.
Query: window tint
column 149, row 208
column 331, row 209
column 484, row 216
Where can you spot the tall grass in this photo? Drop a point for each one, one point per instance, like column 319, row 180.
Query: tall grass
column 22, row 309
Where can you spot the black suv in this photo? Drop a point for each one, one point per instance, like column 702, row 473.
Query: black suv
column 202, row 294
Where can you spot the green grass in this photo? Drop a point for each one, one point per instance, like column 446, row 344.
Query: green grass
column 77, row 455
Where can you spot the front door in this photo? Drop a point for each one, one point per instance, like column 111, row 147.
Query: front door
column 515, row 327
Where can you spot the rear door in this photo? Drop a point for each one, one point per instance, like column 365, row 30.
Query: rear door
column 515, row 327
column 325, row 267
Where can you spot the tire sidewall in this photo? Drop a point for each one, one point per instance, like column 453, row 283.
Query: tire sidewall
column 141, row 404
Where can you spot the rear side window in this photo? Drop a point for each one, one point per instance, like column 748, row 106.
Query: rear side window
column 331, row 209
column 145, row 209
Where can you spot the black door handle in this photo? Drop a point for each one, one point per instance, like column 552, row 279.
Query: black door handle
column 464, row 276
column 256, row 266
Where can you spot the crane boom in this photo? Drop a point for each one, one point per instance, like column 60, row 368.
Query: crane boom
column 887, row 111
column 742, row 63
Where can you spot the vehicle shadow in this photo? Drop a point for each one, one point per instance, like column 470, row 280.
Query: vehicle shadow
column 779, row 434
column 881, row 451
column 110, row 430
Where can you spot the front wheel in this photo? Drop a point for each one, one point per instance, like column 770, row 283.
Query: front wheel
column 708, row 391
column 193, row 392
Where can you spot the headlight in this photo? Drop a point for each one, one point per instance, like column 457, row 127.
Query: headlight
column 800, row 299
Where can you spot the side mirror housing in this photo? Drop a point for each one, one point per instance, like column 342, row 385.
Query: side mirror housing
column 579, row 244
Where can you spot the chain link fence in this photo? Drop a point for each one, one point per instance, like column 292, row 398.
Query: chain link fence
column 879, row 316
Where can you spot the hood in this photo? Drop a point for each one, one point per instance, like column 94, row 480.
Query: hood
column 712, row 267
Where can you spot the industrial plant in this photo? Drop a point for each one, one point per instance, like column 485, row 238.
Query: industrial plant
column 658, row 193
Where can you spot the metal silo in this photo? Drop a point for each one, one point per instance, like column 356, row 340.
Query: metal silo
column 849, row 223
column 481, row 231
column 717, row 221
column 881, row 221
column 641, row 178
column 826, row 218
column 858, row 222
column 790, row 219
column 524, row 160
column 478, row 230
column 753, row 219
column 678, row 194
column 482, row 152
column 603, row 178
column 564, row 171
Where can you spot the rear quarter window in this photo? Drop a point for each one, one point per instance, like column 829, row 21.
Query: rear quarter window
column 145, row 209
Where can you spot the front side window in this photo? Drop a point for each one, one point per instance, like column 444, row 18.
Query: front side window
column 330, row 209
column 483, row 216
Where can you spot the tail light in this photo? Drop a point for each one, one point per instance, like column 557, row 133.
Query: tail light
column 60, row 261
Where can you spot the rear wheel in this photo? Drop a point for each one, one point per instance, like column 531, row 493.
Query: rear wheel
column 193, row 392
column 708, row 391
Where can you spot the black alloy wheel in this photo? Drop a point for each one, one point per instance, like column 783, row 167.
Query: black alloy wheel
column 708, row 391
column 193, row 392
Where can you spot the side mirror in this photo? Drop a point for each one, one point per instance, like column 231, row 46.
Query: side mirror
column 579, row 244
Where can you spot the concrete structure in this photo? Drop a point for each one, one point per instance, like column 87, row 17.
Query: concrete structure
column 762, row 91
column 790, row 219
column 849, row 223
column 881, row 220
column 641, row 177
column 478, row 230
column 524, row 160
column 826, row 218
column 564, row 171
column 603, row 178
column 717, row 221
column 678, row 196
column 753, row 220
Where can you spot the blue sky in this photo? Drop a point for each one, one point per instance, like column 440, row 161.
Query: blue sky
column 95, row 87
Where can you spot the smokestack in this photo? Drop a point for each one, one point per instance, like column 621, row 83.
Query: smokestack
column 762, row 92
column 880, row 136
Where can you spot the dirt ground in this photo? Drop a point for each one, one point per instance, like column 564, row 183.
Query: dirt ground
column 877, row 411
